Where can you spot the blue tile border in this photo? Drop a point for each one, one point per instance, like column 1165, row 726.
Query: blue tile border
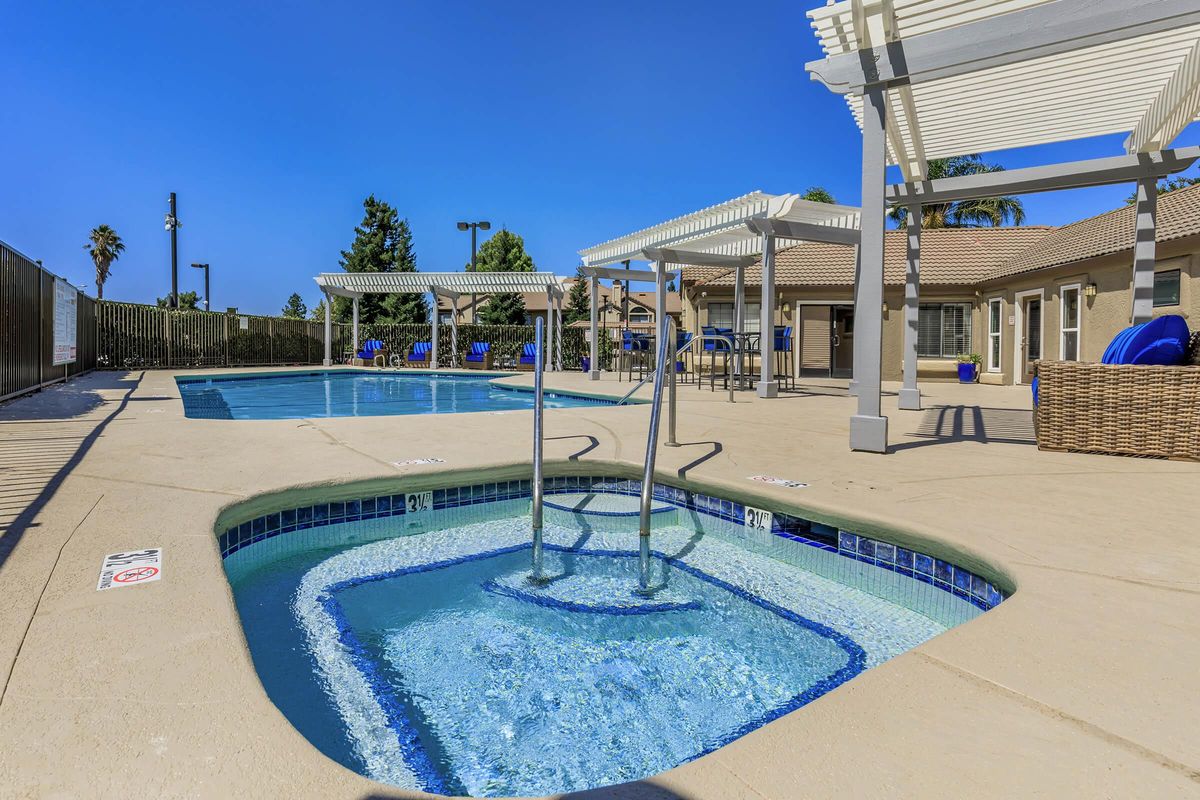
column 926, row 569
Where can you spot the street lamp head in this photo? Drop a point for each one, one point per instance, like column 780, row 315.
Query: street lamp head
column 485, row 226
column 462, row 226
column 200, row 266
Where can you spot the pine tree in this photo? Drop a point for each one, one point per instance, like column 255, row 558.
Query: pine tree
column 295, row 308
column 504, row 252
column 579, row 300
column 382, row 243
column 318, row 312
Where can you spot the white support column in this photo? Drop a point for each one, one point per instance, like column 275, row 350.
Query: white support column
column 433, row 344
column 661, row 328
column 558, row 314
column 910, row 394
column 855, row 366
column 767, row 385
column 454, row 331
column 354, row 305
column 549, row 364
column 739, row 316
column 1143, row 250
column 868, row 428
column 328, row 330
column 594, row 344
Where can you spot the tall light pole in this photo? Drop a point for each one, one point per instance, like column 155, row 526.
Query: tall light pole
column 474, row 228
column 205, row 268
column 172, row 224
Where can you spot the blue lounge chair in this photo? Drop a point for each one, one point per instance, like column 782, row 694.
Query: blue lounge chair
column 479, row 356
column 420, row 354
column 370, row 348
column 528, row 357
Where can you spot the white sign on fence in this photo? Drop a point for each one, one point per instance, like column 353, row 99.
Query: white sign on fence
column 128, row 569
column 66, row 342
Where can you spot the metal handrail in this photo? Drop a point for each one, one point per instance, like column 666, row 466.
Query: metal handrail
column 648, row 470
column 700, row 338
column 536, row 575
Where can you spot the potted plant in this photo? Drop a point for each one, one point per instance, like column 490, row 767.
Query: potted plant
column 968, row 367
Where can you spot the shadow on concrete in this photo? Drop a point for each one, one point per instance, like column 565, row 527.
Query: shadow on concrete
column 41, row 448
column 947, row 424
column 593, row 443
column 63, row 401
column 716, row 450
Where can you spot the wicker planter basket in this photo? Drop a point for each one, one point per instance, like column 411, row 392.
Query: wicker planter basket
column 1119, row 409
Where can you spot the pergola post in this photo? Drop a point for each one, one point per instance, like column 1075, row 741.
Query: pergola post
column 661, row 329
column 739, row 315
column 558, row 304
column 433, row 344
column 910, row 394
column 354, row 324
column 594, row 344
column 868, row 428
column 454, row 330
column 856, row 354
column 767, row 385
column 328, row 362
column 549, row 364
column 1143, row 250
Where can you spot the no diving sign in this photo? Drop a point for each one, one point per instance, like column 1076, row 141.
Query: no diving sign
column 130, row 569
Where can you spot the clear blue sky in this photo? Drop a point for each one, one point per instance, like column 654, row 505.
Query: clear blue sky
column 568, row 122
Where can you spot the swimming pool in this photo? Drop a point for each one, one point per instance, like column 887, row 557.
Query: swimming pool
column 411, row 648
column 347, row 393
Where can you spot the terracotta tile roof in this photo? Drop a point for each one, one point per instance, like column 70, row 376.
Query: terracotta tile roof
column 691, row 274
column 949, row 256
column 1111, row 232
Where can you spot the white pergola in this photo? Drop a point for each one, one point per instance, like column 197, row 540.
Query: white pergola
column 732, row 234
column 451, row 285
column 931, row 79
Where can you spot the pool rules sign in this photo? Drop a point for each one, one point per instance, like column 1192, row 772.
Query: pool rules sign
column 130, row 569
column 66, row 340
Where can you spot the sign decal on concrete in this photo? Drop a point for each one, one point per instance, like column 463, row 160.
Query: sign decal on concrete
column 413, row 461
column 130, row 569
column 758, row 520
column 771, row 479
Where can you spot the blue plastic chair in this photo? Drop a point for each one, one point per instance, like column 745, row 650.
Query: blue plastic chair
column 783, row 352
column 480, row 353
column 682, row 338
column 529, row 354
column 631, row 344
column 722, row 346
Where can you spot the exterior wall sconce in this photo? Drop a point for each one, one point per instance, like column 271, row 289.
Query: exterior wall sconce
column 885, row 307
column 1089, row 290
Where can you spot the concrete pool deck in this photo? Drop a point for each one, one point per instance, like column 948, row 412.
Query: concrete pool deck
column 1084, row 683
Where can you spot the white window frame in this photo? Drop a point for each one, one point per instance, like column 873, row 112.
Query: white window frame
column 996, row 334
column 1062, row 320
column 1019, row 329
column 639, row 312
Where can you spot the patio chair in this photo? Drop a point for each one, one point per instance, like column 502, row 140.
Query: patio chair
column 420, row 354
column 722, row 347
column 634, row 347
column 528, row 359
column 373, row 350
column 783, row 354
column 682, row 338
column 479, row 356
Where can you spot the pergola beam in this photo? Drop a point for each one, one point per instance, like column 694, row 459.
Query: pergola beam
column 1045, row 30
column 1049, row 178
column 804, row 231
column 1172, row 110
column 664, row 255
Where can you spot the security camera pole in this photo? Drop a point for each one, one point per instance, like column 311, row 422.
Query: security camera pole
column 474, row 227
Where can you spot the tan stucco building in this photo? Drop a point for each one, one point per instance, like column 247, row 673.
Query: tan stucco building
column 1011, row 295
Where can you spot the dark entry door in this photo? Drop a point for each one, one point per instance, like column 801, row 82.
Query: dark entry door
column 842, row 342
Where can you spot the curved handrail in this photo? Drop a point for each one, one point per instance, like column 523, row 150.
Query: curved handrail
column 690, row 343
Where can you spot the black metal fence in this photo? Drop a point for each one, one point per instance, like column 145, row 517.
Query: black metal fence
column 27, row 327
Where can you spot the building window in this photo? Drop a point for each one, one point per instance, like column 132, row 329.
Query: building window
column 995, row 314
column 943, row 330
column 1166, row 288
column 1070, row 323
column 720, row 315
column 639, row 316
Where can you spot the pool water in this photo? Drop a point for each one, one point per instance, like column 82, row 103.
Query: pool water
column 344, row 393
column 419, row 654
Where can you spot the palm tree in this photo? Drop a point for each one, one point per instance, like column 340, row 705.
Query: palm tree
column 985, row 211
column 818, row 194
column 105, row 247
